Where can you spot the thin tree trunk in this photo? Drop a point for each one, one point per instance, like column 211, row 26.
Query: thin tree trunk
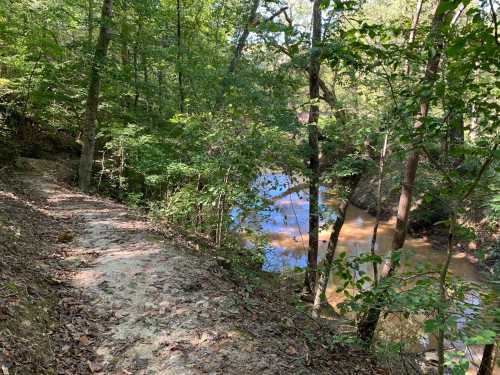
column 124, row 44
column 456, row 133
column 413, row 31
column 404, row 206
column 329, row 95
column 124, row 52
column 199, row 206
column 220, row 212
column 488, row 360
column 324, row 274
column 89, row 128
column 483, row 169
column 379, row 207
column 368, row 323
column 217, row 24
column 145, row 74
column 325, row 271
column 238, row 51
column 136, row 76
column 90, row 21
column 179, row 57
column 160, row 88
column 443, row 298
column 313, row 134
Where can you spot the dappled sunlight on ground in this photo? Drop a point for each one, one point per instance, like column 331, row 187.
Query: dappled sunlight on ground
column 164, row 309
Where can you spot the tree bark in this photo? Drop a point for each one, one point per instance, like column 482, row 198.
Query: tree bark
column 238, row 51
column 313, row 137
column 252, row 20
column 329, row 95
column 368, row 324
column 89, row 128
column 441, row 312
column 179, row 57
column 125, row 56
column 456, row 134
column 488, row 360
column 90, row 21
column 379, row 206
column 324, row 274
column 413, row 31
column 136, row 74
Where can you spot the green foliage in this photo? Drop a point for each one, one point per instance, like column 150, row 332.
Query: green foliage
column 7, row 141
column 195, row 167
column 457, row 362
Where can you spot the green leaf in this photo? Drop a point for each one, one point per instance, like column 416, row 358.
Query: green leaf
column 447, row 6
column 484, row 337
column 431, row 325
column 323, row 4
column 455, row 49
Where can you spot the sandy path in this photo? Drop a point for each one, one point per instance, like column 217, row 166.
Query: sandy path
column 164, row 310
column 157, row 307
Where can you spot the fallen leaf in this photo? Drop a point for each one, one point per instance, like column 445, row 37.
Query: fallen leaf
column 95, row 366
column 84, row 340
column 291, row 350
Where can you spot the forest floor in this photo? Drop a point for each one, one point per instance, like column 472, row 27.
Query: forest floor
column 89, row 286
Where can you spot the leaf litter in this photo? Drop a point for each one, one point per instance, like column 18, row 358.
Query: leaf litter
column 120, row 297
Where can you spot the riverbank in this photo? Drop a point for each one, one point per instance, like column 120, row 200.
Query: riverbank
column 481, row 251
column 95, row 288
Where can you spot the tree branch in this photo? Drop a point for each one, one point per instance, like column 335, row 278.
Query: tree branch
column 495, row 22
column 277, row 13
column 483, row 169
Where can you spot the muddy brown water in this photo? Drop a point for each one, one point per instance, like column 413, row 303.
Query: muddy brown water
column 285, row 225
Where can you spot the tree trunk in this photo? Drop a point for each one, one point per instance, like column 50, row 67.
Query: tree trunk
column 441, row 312
column 179, row 57
column 313, row 134
column 252, row 20
column 456, row 133
column 125, row 57
column 136, row 76
column 488, row 361
column 329, row 95
column 238, row 51
column 89, row 128
column 324, row 274
column 413, row 31
column 379, row 206
column 405, row 199
column 90, row 21
column 368, row 323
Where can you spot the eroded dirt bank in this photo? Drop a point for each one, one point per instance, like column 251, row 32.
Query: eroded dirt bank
column 137, row 302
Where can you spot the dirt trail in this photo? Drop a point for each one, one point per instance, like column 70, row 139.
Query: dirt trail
column 164, row 309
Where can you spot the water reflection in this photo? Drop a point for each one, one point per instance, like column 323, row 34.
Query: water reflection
column 285, row 224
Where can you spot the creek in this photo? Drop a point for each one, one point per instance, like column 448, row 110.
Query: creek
column 284, row 223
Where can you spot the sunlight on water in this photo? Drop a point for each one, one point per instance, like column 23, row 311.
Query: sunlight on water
column 285, row 224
